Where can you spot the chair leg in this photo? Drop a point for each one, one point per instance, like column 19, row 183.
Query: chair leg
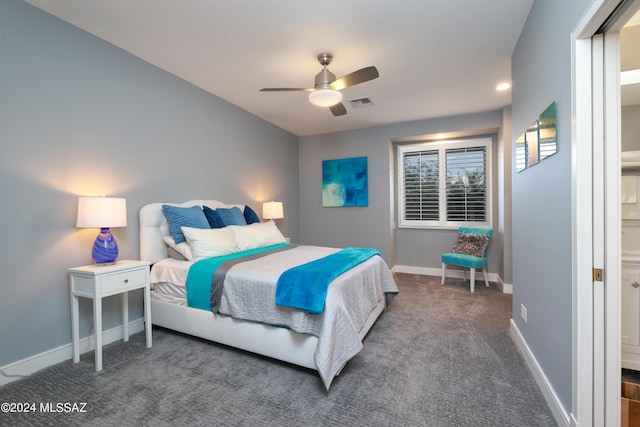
column 464, row 275
column 444, row 273
column 472, row 279
column 484, row 272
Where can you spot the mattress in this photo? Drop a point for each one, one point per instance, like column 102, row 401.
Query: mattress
column 168, row 280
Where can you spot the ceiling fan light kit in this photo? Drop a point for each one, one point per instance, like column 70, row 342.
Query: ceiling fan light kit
column 326, row 92
column 325, row 97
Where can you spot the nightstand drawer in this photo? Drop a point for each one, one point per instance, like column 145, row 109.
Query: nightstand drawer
column 119, row 281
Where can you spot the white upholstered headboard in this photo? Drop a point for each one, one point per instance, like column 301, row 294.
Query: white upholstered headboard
column 154, row 226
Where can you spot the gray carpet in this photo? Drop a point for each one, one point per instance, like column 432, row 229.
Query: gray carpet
column 440, row 356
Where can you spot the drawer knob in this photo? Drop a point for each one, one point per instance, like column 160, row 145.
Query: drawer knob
column 127, row 281
column 635, row 284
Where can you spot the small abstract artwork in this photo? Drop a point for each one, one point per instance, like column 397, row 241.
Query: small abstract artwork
column 345, row 182
column 548, row 124
column 531, row 136
column 539, row 141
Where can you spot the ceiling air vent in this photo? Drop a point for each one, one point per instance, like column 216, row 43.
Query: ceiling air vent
column 361, row 102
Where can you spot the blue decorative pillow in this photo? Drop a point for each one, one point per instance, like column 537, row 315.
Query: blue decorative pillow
column 213, row 217
column 232, row 216
column 184, row 217
column 250, row 215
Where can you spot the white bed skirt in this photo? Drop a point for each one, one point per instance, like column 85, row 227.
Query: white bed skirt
column 271, row 341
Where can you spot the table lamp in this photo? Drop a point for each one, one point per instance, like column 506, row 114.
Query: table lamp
column 272, row 210
column 103, row 213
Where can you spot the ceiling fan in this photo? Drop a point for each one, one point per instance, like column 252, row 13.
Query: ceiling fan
column 326, row 92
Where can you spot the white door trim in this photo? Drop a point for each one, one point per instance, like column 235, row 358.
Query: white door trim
column 612, row 225
column 598, row 237
column 582, row 328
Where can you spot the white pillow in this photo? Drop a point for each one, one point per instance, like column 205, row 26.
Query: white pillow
column 181, row 248
column 257, row 235
column 210, row 242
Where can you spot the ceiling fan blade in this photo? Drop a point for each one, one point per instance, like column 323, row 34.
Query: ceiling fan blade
column 287, row 89
column 338, row 109
column 357, row 77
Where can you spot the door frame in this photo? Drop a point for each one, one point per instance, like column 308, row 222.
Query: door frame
column 595, row 109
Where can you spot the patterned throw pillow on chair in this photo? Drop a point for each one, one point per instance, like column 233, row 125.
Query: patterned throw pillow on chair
column 471, row 244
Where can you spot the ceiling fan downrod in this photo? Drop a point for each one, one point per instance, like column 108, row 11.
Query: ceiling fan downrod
column 324, row 77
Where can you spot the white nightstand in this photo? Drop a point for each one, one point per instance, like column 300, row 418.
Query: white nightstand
column 97, row 282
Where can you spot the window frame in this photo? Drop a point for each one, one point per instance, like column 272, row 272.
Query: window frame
column 441, row 147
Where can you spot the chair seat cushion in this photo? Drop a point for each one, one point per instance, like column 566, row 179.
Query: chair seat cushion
column 463, row 260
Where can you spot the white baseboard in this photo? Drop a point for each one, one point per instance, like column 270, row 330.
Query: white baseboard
column 560, row 414
column 507, row 288
column 430, row 271
column 31, row 364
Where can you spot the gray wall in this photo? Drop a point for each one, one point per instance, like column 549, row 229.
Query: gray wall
column 79, row 116
column 350, row 226
column 542, row 258
column 372, row 225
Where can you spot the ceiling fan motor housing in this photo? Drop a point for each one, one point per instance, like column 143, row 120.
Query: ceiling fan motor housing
column 323, row 78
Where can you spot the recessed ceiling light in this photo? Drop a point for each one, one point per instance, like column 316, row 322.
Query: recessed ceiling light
column 503, row 86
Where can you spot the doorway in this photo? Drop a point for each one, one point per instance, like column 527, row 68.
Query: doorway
column 596, row 144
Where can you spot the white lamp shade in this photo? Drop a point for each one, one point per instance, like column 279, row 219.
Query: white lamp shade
column 102, row 212
column 325, row 97
column 272, row 210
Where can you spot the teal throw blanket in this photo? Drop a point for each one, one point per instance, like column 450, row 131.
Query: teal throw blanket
column 200, row 277
column 305, row 287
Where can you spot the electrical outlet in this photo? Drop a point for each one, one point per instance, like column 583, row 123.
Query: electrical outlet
column 523, row 312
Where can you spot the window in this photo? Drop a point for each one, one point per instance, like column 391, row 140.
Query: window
column 444, row 184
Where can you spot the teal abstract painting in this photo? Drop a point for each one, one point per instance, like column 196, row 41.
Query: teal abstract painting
column 345, row 182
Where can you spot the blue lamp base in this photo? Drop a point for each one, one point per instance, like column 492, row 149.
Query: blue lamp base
column 105, row 248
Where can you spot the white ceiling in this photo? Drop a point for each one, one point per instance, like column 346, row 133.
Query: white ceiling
column 435, row 58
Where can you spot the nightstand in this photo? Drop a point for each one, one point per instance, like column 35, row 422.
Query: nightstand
column 97, row 282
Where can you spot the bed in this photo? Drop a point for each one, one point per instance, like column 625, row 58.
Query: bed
column 246, row 315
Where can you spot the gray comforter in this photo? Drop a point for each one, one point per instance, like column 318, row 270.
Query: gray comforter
column 249, row 294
